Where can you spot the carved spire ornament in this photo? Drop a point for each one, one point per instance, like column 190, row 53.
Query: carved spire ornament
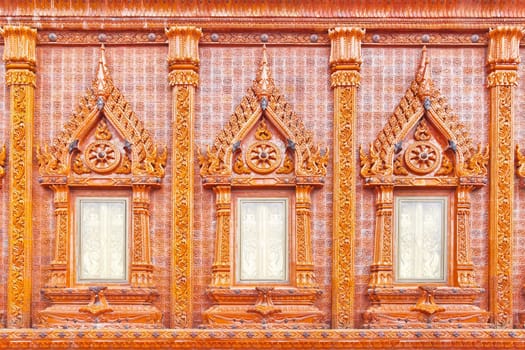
column 104, row 151
column 424, row 157
column 265, row 156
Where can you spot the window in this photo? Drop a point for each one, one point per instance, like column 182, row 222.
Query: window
column 102, row 239
column 262, row 236
column 421, row 231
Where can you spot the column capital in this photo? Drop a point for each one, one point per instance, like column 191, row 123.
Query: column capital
column 183, row 44
column 504, row 47
column 20, row 47
column 346, row 47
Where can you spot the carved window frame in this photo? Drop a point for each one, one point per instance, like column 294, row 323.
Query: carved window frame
column 104, row 151
column 263, row 149
column 423, row 150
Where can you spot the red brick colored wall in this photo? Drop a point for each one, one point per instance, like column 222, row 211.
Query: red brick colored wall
column 459, row 73
column 518, row 266
column 302, row 75
column 65, row 74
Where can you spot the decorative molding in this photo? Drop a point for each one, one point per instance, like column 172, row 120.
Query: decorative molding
column 138, row 338
column 345, row 78
column 183, row 63
column 502, row 78
column 504, row 46
column 220, row 35
column 345, row 61
column 341, row 9
column 183, row 49
column 502, row 58
column 20, row 47
column 20, row 59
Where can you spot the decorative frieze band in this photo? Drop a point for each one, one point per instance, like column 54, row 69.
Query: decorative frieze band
column 242, row 38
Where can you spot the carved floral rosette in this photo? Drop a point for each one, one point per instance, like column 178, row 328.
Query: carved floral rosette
column 264, row 147
column 423, row 150
column 104, row 147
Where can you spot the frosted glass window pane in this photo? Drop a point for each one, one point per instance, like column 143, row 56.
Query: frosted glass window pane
column 102, row 239
column 263, row 236
column 421, row 239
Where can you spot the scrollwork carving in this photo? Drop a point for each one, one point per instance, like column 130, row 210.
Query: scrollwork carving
column 477, row 164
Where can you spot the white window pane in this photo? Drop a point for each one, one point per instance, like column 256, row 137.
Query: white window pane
column 102, row 239
column 263, row 236
column 421, row 239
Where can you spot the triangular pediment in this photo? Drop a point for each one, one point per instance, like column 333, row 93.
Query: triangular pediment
column 264, row 106
column 103, row 109
column 423, row 137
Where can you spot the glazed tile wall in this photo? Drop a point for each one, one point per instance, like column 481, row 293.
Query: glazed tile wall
column 302, row 76
column 65, row 74
column 519, row 197
column 459, row 73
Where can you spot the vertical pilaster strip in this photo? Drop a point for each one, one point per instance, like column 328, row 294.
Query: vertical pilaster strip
column 345, row 61
column 503, row 59
column 20, row 62
column 183, row 61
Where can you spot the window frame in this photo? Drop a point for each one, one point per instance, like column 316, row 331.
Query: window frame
column 290, row 241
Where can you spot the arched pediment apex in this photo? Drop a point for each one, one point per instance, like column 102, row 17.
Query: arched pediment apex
column 103, row 103
column 451, row 144
column 264, row 101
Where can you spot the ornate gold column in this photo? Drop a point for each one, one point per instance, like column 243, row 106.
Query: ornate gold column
column 503, row 59
column 345, row 62
column 183, row 61
column 20, row 62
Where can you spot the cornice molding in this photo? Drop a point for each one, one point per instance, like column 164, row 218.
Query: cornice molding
column 289, row 9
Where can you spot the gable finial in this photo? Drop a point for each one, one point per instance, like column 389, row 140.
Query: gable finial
column 263, row 83
column 103, row 78
column 423, row 76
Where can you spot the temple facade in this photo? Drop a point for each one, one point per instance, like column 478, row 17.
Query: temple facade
column 259, row 175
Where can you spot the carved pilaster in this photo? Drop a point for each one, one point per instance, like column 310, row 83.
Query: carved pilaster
column 221, row 271
column 141, row 264
column 305, row 268
column 464, row 266
column 58, row 272
column 183, row 62
column 20, row 58
column 502, row 60
column 382, row 270
column 345, row 61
